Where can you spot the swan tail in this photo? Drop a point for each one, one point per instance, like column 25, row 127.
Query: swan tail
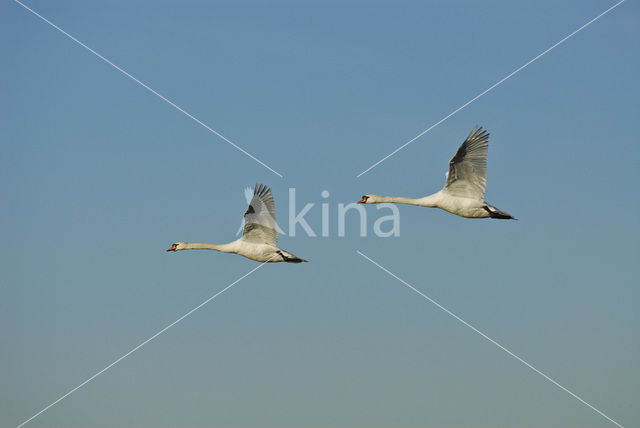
column 496, row 213
column 290, row 258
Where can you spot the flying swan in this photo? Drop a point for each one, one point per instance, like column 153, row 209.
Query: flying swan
column 463, row 192
column 259, row 235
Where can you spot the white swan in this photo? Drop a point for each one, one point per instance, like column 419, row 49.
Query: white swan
column 463, row 192
column 259, row 235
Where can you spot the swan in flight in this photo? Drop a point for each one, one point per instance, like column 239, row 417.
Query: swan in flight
column 463, row 192
column 259, row 235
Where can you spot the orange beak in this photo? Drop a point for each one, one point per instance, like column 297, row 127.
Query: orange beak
column 173, row 248
column 362, row 201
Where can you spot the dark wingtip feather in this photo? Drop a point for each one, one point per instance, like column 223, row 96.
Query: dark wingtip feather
column 478, row 132
column 261, row 190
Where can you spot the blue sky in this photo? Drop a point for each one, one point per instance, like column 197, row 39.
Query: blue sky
column 100, row 176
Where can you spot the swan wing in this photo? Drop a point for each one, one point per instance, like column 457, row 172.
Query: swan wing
column 260, row 218
column 467, row 175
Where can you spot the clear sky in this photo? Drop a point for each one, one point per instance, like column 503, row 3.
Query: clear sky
column 99, row 177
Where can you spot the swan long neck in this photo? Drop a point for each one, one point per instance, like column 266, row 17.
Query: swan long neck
column 427, row 201
column 225, row 248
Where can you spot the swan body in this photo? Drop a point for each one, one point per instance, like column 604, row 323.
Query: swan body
column 258, row 252
column 259, row 234
column 463, row 192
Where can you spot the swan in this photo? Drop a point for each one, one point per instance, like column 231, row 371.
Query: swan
column 463, row 191
column 259, row 235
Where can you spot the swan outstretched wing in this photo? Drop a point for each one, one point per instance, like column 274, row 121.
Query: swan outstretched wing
column 260, row 218
column 467, row 176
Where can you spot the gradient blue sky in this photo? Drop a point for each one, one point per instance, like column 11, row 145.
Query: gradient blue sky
column 100, row 176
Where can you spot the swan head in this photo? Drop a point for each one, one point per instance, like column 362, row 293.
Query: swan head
column 176, row 246
column 368, row 199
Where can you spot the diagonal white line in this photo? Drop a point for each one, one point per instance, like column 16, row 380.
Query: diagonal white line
column 488, row 89
column 142, row 344
column 488, row 338
column 198, row 121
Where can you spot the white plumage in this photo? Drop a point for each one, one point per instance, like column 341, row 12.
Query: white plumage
column 466, row 180
column 259, row 234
